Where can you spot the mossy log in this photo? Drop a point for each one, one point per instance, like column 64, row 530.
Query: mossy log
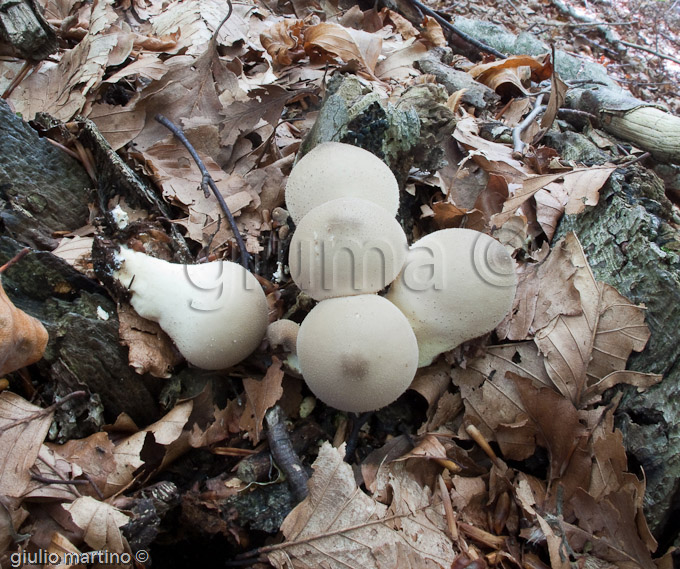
column 632, row 245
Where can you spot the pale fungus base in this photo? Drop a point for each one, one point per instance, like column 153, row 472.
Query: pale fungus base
column 357, row 353
column 215, row 313
column 335, row 170
column 457, row 284
column 345, row 247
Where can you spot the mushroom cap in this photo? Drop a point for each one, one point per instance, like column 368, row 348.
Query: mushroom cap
column 345, row 247
column 284, row 333
column 335, row 170
column 457, row 284
column 215, row 313
column 357, row 353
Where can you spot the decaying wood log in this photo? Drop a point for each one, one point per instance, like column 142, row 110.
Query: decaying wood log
column 24, row 32
column 643, row 125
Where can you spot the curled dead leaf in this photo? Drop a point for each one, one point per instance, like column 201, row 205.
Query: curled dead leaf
column 283, row 41
column 327, row 42
column 22, row 338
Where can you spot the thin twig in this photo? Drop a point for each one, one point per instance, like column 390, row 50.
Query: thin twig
column 45, row 480
column 358, row 421
column 42, row 412
column 284, row 454
column 584, row 24
column 649, row 50
column 460, row 33
column 207, row 180
column 634, row 161
column 231, row 9
column 20, row 255
column 517, row 143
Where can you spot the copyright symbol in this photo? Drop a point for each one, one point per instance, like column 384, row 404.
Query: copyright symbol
column 142, row 556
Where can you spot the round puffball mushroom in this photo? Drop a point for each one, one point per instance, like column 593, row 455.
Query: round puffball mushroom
column 335, row 170
column 346, row 247
column 457, row 284
column 357, row 353
column 215, row 313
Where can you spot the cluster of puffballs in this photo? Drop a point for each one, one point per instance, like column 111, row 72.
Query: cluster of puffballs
column 357, row 350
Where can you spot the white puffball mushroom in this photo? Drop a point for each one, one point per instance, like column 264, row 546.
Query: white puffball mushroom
column 334, row 170
column 357, row 353
column 215, row 313
column 456, row 285
column 344, row 247
column 284, row 333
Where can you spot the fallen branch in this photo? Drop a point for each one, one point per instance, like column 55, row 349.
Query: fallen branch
column 460, row 33
column 284, row 454
column 207, row 181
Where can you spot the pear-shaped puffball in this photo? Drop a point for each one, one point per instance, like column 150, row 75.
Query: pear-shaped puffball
column 357, row 353
column 346, row 247
column 457, row 284
column 335, row 170
column 215, row 313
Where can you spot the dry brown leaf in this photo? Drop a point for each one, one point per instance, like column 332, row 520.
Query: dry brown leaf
column 51, row 465
column 241, row 117
column 197, row 21
column 544, row 291
column 260, row 396
column 447, row 215
column 431, row 382
column 492, row 401
column 283, row 41
column 62, row 89
column 166, row 436
column 405, row 28
column 76, row 251
column 21, row 439
column 494, row 158
column 399, row 64
column 540, row 68
column 560, row 438
column 510, row 76
column 612, row 531
column 12, row 516
column 23, row 339
column 100, row 523
column 329, row 42
column 94, row 456
column 558, row 92
column 433, row 33
column 579, row 188
column 580, row 350
column 150, row 349
column 338, row 526
column 118, row 125
column 189, row 91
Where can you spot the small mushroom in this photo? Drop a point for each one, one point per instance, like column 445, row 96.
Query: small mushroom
column 215, row 313
column 456, row 285
column 284, row 333
column 344, row 247
column 335, row 170
column 357, row 353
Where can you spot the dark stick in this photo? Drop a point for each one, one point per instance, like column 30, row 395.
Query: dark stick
column 207, row 180
column 42, row 412
column 460, row 33
column 284, row 454
column 358, row 421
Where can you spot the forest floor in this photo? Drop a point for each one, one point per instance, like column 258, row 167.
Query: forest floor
column 503, row 453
